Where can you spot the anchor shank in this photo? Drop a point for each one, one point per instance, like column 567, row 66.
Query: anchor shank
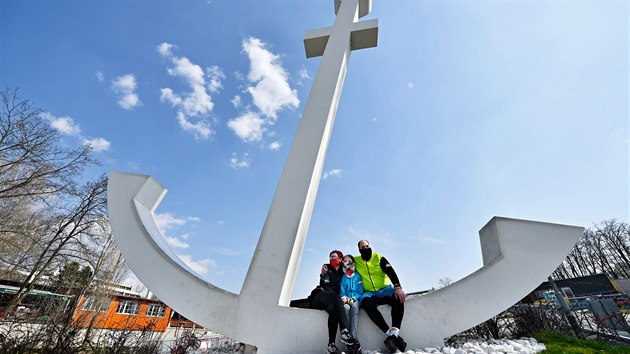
column 282, row 240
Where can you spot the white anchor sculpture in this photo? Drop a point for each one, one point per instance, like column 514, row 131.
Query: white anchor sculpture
column 518, row 255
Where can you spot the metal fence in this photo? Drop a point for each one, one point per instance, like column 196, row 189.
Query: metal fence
column 601, row 317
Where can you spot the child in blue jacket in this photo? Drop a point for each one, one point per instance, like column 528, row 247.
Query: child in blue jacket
column 351, row 291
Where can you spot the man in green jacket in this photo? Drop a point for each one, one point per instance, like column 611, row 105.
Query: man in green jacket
column 378, row 276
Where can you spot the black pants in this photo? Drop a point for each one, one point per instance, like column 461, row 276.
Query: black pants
column 331, row 302
column 369, row 304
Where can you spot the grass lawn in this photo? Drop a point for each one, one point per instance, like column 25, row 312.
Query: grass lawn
column 561, row 344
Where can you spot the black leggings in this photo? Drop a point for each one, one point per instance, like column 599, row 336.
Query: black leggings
column 331, row 302
column 369, row 304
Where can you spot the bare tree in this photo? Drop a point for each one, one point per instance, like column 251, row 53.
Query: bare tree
column 604, row 248
column 20, row 229
column 32, row 162
column 616, row 235
column 35, row 168
column 49, row 220
column 444, row 282
column 109, row 268
column 71, row 219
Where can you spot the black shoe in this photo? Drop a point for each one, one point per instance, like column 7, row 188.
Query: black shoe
column 354, row 348
column 332, row 349
column 401, row 344
column 346, row 337
column 391, row 343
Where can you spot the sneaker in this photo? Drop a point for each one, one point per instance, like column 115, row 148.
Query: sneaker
column 393, row 331
column 401, row 344
column 346, row 337
column 354, row 348
column 391, row 343
column 332, row 349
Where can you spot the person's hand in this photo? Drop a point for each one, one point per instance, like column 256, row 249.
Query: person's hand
column 399, row 294
column 324, row 269
column 344, row 299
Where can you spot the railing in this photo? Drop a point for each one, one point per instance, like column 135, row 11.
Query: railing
column 603, row 317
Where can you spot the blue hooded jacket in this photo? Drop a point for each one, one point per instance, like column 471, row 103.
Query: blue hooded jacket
column 352, row 287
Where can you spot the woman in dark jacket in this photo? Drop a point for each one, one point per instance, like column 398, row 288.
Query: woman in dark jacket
column 326, row 297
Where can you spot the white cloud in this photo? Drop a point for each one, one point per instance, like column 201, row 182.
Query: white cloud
column 166, row 94
column 275, row 146
column 239, row 76
column 125, row 87
column 337, row 172
column 411, row 85
column 201, row 129
column 197, row 101
column 167, row 221
column 215, row 75
column 236, row 101
column 194, row 103
column 67, row 126
column 97, row 144
column 201, row 266
column 304, row 74
column 165, row 49
column 99, row 76
column 225, row 251
column 271, row 92
column 175, row 242
column 248, row 127
column 243, row 162
column 186, row 69
column 64, row 125
column 431, row 240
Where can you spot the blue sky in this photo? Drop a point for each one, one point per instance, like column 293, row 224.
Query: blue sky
column 465, row 110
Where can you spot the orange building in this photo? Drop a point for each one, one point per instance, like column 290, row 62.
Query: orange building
column 122, row 312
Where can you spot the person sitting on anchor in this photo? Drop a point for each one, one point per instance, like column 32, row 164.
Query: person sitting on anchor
column 326, row 297
column 351, row 292
column 378, row 274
